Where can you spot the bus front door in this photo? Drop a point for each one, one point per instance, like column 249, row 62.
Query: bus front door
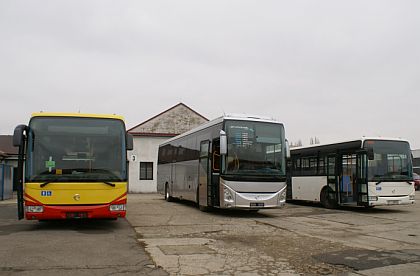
column 203, row 175
column 331, row 200
column 348, row 179
column 362, row 179
column 213, row 190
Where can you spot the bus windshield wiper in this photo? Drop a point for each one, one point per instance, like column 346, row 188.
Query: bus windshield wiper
column 44, row 184
column 48, row 182
column 109, row 183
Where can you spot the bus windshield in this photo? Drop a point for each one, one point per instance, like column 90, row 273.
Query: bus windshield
column 392, row 161
column 70, row 149
column 255, row 149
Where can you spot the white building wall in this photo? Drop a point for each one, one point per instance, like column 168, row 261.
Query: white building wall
column 145, row 150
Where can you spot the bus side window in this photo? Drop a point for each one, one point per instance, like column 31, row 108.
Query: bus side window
column 321, row 166
column 297, row 167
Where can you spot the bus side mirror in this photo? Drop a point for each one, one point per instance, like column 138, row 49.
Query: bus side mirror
column 223, row 143
column 287, row 149
column 18, row 135
column 129, row 144
column 370, row 154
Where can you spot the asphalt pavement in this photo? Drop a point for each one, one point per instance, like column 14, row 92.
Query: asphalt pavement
column 97, row 247
column 175, row 238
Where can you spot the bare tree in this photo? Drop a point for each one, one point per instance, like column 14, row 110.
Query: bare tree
column 297, row 144
column 314, row 140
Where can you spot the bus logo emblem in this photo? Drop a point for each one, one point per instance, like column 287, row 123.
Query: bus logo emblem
column 46, row 193
column 76, row 197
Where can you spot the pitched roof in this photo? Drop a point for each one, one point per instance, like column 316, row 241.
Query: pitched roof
column 6, row 145
column 171, row 122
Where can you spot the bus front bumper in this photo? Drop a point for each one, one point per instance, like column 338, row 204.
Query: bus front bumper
column 251, row 201
column 391, row 200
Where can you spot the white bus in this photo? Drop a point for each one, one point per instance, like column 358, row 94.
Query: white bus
column 235, row 161
column 364, row 172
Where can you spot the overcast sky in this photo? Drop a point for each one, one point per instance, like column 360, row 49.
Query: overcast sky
column 330, row 69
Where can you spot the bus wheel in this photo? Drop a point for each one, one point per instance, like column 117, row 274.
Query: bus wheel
column 325, row 201
column 167, row 195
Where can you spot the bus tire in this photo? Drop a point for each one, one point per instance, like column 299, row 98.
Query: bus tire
column 168, row 196
column 325, row 201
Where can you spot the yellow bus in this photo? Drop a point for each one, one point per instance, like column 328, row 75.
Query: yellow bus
column 72, row 166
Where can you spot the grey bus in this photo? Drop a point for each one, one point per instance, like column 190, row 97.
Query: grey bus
column 235, row 161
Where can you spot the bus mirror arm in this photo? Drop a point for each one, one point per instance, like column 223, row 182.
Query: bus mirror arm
column 18, row 135
column 287, row 149
column 19, row 141
column 129, row 144
column 223, row 143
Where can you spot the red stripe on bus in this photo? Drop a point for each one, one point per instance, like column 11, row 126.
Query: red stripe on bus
column 118, row 198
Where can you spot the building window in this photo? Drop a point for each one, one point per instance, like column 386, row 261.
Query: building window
column 146, row 170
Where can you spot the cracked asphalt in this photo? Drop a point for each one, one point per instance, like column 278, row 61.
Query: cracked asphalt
column 300, row 239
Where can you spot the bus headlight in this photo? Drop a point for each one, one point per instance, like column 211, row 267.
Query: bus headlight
column 282, row 196
column 117, row 207
column 34, row 209
column 228, row 195
column 373, row 198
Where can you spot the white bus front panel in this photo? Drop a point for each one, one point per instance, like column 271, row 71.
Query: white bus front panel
column 391, row 193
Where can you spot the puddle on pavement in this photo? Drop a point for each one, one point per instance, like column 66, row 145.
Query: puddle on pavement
column 362, row 259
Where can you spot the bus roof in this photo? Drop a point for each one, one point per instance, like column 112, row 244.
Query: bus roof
column 238, row 117
column 80, row 115
column 358, row 142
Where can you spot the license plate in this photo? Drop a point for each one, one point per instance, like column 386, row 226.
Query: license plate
column 392, row 202
column 76, row 215
column 256, row 204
